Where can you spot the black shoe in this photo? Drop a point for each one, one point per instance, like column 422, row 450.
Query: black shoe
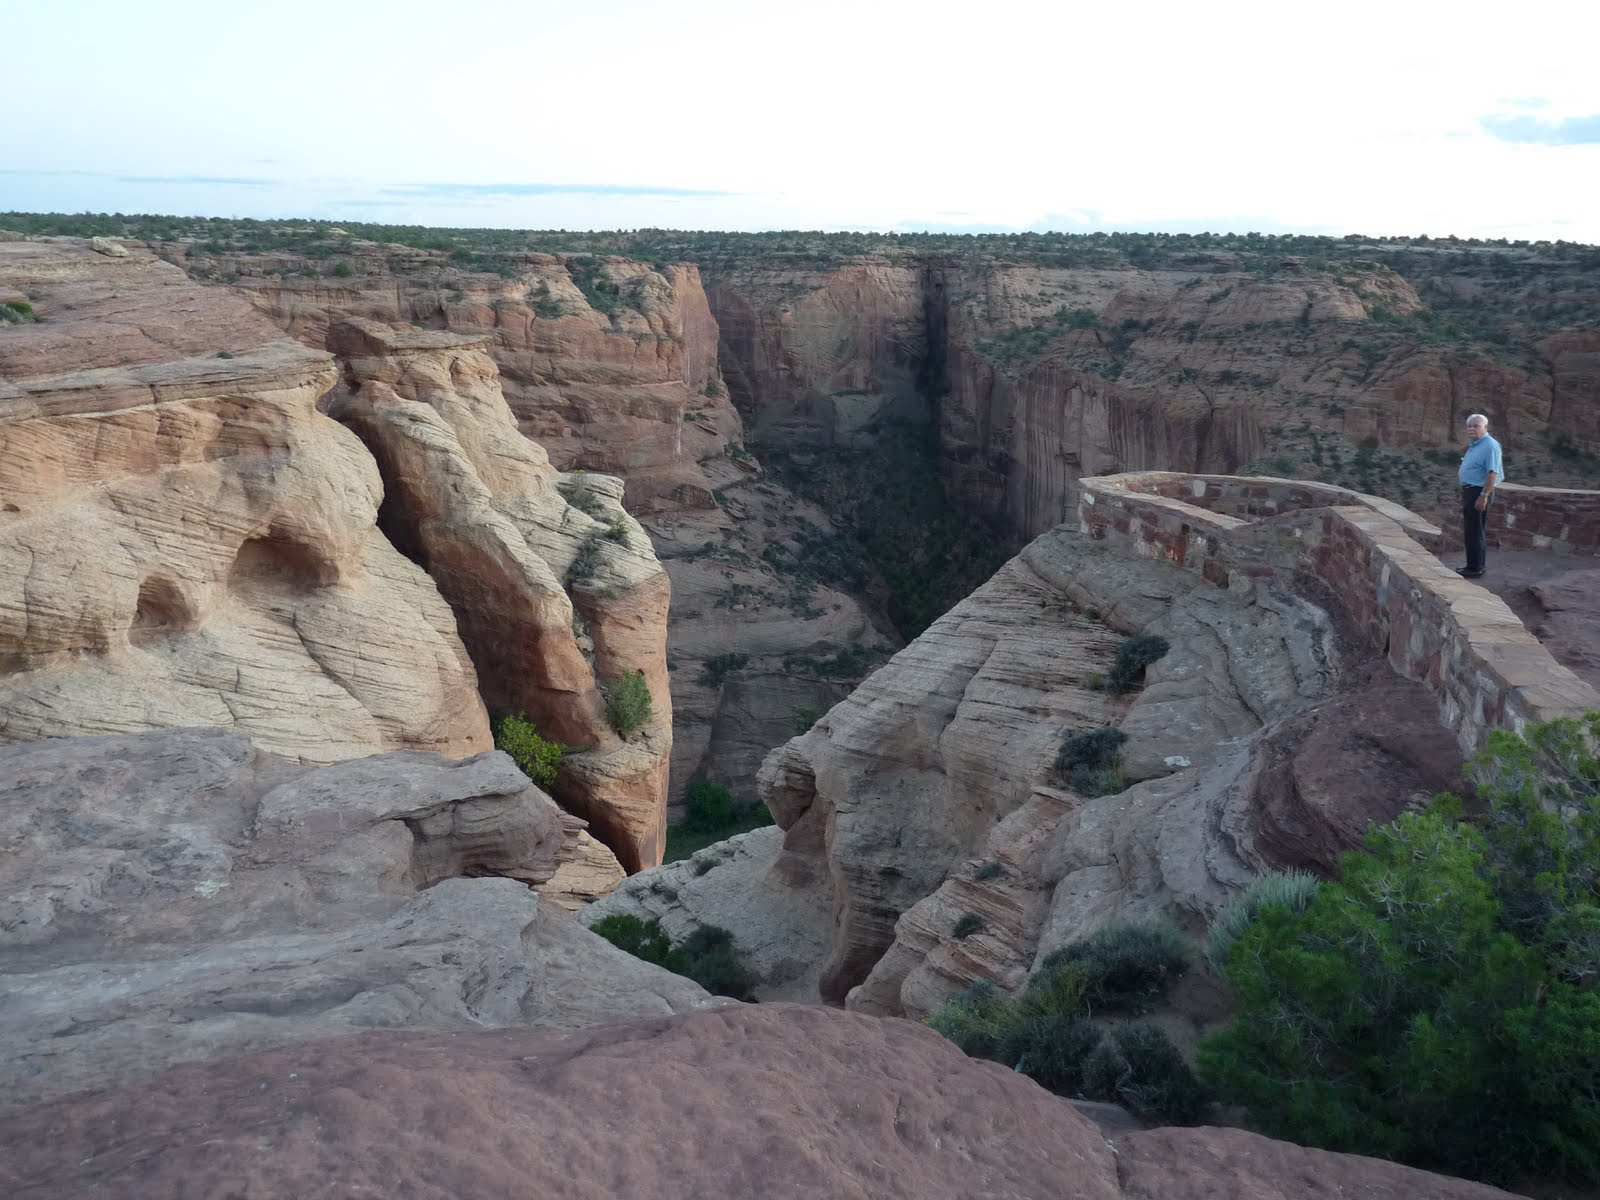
column 1466, row 574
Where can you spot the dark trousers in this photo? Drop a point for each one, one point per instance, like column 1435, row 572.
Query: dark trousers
column 1474, row 526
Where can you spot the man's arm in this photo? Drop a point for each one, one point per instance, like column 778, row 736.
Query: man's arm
column 1489, row 480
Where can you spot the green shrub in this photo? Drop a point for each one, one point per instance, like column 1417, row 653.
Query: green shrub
column 966, row 925
column 719, row 666
column 641, row 938
column 17, row 312
column 1434, row 1005
column 710, row 806
column 1133, row 656
column 1136, row 1065
column 1088, row 761
column 579, row 493
column 988, row 870
column 1047, row 1032
column 1050, row 1049
column 707, row 956
column 805, row 716
column 1125, row 965
column 1293, row 890
column 342, row 270
column 584, row 562
column 628, row 704
column 682, row 841
column 617, row 531
column 977, row 1020
column 536, row 757
column 714, row 963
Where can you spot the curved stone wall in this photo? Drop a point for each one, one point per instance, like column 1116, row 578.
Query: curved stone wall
column 1377, row 561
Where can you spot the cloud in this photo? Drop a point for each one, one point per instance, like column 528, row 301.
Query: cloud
column 545, row 189
column 214, row 180
column 1574, row 131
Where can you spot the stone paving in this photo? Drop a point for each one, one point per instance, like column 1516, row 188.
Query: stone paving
column 1557, row 596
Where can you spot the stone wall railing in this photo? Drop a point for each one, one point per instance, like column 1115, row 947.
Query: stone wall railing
column 1477, row 658
column 1561, row 519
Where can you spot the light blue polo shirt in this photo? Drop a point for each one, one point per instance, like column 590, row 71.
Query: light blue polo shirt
column 1481, row 457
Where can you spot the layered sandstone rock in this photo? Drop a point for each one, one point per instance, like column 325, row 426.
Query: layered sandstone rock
column 775, row 905
column 787, row 1101
column 610, row 366
column 182, row 896
column 1296, row 794
column 185, row 540
column 555, row 587
column 910, row 775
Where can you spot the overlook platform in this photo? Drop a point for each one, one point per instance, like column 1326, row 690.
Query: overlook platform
column 1523, row 649
column 1557, row 596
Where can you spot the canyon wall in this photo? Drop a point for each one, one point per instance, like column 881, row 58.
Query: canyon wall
column 609, row 365
column 1038, row 375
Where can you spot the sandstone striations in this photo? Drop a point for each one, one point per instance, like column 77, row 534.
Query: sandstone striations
column 942, row 762
column 182, row 896
column 185, row 540
column 787, row 1101
column 479, row 506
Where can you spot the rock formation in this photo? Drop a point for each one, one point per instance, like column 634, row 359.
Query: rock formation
column 610, row 365
column 942, row 763
column 910, row 774
column 480, row 508
column 185, row 540
column 182, row 896
column 784, row 1100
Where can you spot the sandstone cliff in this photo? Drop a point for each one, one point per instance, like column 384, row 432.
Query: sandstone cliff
column 610, row 365
column 480, row 508
column 1246, row 751
column 185, row 540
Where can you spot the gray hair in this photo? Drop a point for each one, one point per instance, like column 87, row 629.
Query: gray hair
column 1476, row 417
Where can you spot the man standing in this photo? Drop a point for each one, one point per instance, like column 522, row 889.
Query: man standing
column 1480, row 473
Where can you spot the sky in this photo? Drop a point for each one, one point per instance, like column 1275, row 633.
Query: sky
column 1401, row 117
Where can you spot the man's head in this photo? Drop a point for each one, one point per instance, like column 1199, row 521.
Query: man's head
column 1477, row 426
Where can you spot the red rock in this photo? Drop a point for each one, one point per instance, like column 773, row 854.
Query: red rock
column 770, row 1101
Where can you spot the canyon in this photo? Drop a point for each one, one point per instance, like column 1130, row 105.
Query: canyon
column 291, row 521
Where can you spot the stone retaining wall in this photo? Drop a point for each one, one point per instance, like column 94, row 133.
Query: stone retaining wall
column 1481, row 664
column 1559, row 519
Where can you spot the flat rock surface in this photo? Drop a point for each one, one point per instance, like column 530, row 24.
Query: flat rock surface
column 180, row 896
column 770, row 1101
column 1558, row 598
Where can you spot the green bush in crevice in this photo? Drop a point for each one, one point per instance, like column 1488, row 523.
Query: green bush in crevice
column 1053, row 1032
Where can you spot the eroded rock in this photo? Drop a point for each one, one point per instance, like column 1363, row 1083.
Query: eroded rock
column 185, row 540
column 180, row 896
